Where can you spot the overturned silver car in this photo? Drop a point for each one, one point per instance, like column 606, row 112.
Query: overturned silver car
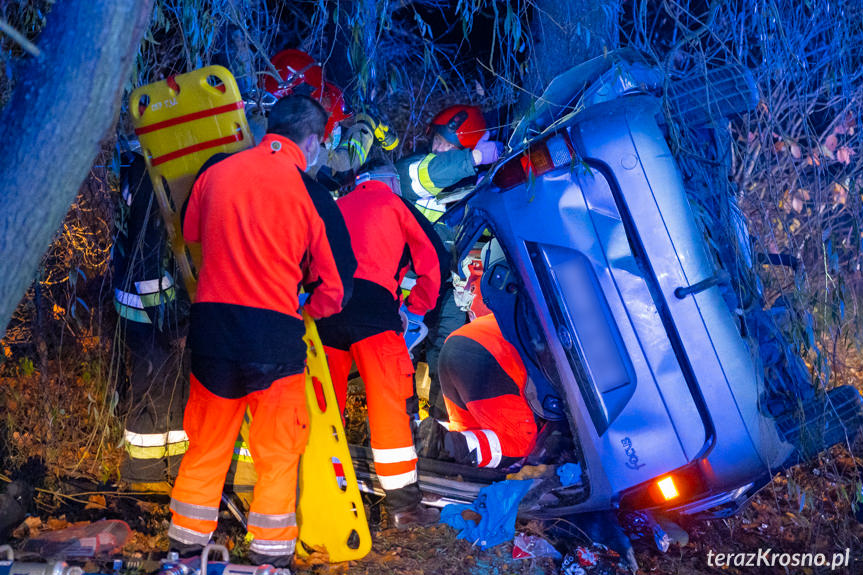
column 652, row 362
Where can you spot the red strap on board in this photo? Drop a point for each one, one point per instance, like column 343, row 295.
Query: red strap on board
column 190, row 117
column 196, row 148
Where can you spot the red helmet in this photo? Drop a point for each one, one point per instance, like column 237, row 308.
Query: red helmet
column 333, row 101
column 461, row 126
column 297, row 68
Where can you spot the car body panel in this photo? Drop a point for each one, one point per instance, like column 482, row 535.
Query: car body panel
column 613, row 299
column 647, row 422
column 622, row 207
column 725, row 370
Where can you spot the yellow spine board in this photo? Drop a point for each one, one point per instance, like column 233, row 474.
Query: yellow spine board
column 181, row 122
column 328, row 514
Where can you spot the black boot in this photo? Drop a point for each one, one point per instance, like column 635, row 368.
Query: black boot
column 14, row 505
column 278, row 561
column 455, row 446
column 416, row 516
column 430, row 436
column 185, row 550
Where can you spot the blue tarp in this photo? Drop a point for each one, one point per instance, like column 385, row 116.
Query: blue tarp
column 498, row 505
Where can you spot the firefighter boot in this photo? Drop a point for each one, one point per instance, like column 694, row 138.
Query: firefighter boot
column 430, row 437
column 455, row 446
column 277, row 561
column 185, row 550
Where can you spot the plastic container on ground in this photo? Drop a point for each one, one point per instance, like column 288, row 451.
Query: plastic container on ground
column 80, row 541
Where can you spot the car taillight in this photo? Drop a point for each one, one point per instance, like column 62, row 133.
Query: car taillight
column 675, row 488
column 667, row 488
column 540, row 157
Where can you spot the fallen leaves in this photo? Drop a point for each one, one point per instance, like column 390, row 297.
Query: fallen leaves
column 53, row 524
column 28, row 528
column 96, row 502
column 531, row 472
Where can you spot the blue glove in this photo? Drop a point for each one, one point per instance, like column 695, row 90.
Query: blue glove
column 303, row 298
column 414, row 329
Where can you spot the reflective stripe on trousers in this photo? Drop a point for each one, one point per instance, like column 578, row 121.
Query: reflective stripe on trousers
column 149, row 293
column 242, row 452
column 266, row 521
column 155, row 445
column 508, row 416
column 277, row 548
column 277, row 436
column 395, row 467
column 155, row 439
column 131, row 313
column 162, row 284
column 486, row 445
column 386, row 370
column 188, row 536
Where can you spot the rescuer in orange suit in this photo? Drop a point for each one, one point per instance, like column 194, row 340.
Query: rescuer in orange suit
column 386, row 233
column 482, row 379
column 265, row 229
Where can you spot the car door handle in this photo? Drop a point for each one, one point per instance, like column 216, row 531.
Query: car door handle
column 720, row 277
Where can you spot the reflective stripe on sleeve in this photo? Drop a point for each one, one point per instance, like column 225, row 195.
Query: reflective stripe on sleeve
column 413, row 172
column 431, row 209
column 390, row 482
column 356, row 147
column 192, row 511
column 424, row 177
column 268, row 521
column 421, row 183
column 394, row 455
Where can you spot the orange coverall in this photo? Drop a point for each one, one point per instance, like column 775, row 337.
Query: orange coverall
column 387, row 234
column 482, row 378
column 265, row 229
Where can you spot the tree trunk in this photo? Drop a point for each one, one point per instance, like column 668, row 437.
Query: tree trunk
column 568, row 32
column 64, row 103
